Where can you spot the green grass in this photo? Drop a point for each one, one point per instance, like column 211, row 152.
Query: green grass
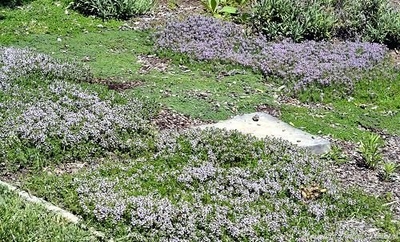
column 22, row 221
column 201, row 94
column 46, row 17
column 110, row 53
column 373, row 106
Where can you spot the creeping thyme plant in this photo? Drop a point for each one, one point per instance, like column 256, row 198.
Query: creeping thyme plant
column 325, row 64
column 215, row 185
column 46, row 116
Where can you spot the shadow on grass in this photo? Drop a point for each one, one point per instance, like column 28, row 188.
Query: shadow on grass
column 13, row 4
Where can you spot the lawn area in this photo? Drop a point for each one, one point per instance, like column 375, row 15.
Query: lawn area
column 21, row 221
column 95, row 115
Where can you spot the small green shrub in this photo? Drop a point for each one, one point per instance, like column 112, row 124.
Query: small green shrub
column 298, row 20
column 371, row 20
column 107, row 9
column 336, row 155
column 225, row 9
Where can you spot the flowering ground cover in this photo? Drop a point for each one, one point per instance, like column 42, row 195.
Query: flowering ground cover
column 45, row 117
column 325, row 64
column 95, row 152
column 216, row 185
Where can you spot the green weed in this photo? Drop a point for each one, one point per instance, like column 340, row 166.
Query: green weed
column 388, row 170
column 370, row 151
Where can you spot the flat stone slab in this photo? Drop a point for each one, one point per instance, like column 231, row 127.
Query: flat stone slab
column 267, row 125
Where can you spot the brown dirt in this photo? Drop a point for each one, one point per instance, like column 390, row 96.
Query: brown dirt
column 66, row 168
column 268, row 109
column 165, row 12
column 354, row 174
column 116, row 84
column 152, row 62
column 395, row 55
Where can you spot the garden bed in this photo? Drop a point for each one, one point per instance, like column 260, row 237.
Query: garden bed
column 112, row 143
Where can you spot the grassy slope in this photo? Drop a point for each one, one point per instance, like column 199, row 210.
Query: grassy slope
column 113, row 54
column 374, row 105
column 21, row 221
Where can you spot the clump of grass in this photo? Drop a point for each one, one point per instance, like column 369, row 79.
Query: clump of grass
column 370, row 151
column 336, row 155
column 388, row 170
column 371, row 155
column 20, row 221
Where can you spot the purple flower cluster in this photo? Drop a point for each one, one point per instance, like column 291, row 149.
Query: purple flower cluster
column 206, row 39
column 304, row 63
column 67, row 115
column 15, row 63
column 214, row 200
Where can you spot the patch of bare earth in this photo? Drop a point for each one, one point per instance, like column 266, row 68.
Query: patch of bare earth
column 117, row 85
column 395, row 55
column 354, row 174
column 12, row 177
column 152, row 62
column 66, row 168
column 268, row 109
column 282, row 99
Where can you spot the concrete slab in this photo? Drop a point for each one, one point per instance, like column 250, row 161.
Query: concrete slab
column 262, row 125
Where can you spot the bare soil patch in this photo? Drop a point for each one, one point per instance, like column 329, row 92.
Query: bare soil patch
column 118, row 85
column 165, row 11
column 152, row 62
column 268, row 109
column 353, row 174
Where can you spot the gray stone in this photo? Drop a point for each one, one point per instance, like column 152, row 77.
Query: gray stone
column 262, row 125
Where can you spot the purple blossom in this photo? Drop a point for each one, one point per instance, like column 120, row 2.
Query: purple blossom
column 306, row 63
column 215, row 199
column 71, row 119
column 16, row 63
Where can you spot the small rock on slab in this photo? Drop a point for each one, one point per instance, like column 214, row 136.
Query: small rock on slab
column 266, row 125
